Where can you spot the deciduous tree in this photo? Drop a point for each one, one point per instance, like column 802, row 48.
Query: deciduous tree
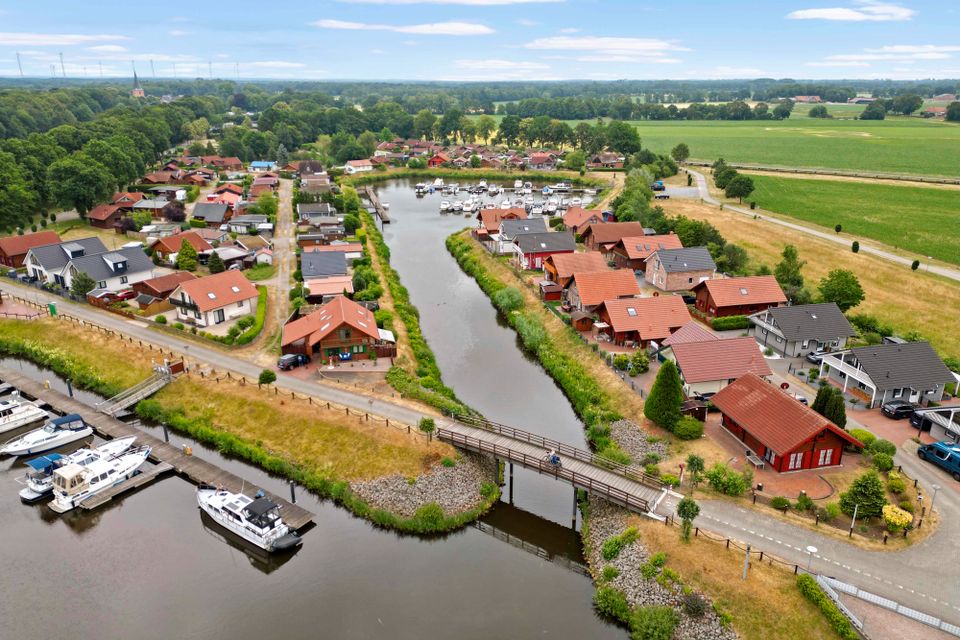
column 82, row 284
column 79, row 182
column 843, row 288
column 680, row 152
column 740, row 187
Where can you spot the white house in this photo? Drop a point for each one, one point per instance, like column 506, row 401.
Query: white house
column 46, row 262
column 111, row 270
column 357, row 166
column 214, row 299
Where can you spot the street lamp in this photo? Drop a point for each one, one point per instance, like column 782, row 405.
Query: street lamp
column 935, row 488
column 810, row 550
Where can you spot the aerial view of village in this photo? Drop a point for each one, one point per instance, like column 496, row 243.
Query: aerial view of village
column 480, row 319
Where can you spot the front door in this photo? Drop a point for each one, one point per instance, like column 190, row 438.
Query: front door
column 218, row 316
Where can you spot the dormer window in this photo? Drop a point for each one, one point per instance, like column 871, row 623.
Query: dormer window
column 743, row 291
column 212, row 296
column 632, row 312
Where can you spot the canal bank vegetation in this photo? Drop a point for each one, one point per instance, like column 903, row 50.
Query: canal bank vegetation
column 547, row 177
column 597, row 395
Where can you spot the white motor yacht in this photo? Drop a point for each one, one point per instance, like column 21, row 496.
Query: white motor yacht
column 57, row 432
column 256, row 520
column 438, row 183
column 482, row 184
column 575, row 202
column 537, row 210
column 19, row 413
column 72, row 484
column 38, row 481
column 517, row 184
column 444, row 205
column 457, row 207
column 505, row 204
column 420, row 188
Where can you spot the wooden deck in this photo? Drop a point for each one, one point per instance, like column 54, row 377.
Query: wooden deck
column 134, row 482
column 626, row 486
column 374, row 199
column 195, row 469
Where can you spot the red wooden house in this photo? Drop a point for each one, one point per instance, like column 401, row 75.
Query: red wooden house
column 738, row 296
column 437, row 160
column 774, row 426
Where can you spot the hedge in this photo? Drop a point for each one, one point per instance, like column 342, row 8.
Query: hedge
column 470, row 174
column 254, row 330
column 589, row 400
column 65, row 366
column 429, row 518
column 811, row 591
column 727, row 323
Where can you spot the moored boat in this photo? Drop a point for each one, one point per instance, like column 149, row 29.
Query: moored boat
column 72, row 484
column 56, row 433
column 19, row 413
column 256, row 520
column 38, row 481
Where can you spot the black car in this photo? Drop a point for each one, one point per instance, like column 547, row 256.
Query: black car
column 292, row 361
column 920, row 421
column 898, row 409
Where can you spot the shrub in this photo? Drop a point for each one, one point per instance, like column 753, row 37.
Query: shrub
column 896, row 518
column 780, row 503
column 882, row 462
column 508, row 300
column 160, row 319
column 866, row 491
column 728, row 323
column 688, row 428
column 652, row 470
column 613, row 545
column 429, row 516
column 670, row 479
column 694, row 605
column 178, row 325
column 907, row 506
column 621, row 362
column 727, row 481
column 612, row 603
column 833, row 510
column 267, row 377
column 666, row 395
column 649, row 571
column 882, row 446
column 427, row 425
column 448, row 462
column 855, row 247
column 246, row 322
column 610, row 572
column 640, row 363
column 804, row 503
column 811, row 591
column 254, row 329
column 863, row 436
column 653, row 623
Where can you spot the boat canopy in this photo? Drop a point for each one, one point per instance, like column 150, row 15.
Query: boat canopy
column 261, row 511
column 72, row 421
column 44, row 462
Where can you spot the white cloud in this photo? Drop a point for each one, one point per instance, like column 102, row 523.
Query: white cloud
column 499, row 65
column 177, row 33
column 837, row 63
column 569, row 30
column 474, row 3
column 107, row 48
column 864, row 11
column 890, row 56
column 626, row 58
column 609, row 49
column 433, row 29
column 910, row 48
column 20, row 39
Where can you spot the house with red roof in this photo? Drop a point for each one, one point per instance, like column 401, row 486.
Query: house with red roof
column 13, row 249
column 488, row 222
column 357, row 166
column 106, row 216
column 437, row 160
column 542, row 161
column 577, row 219
column 709, row 366
column 588, row 290
column 604, row 236
column 738, row 296
column 167, row 247
column 776, row 428
column 214, row 299
column 631, row 252
column 560, row 267
column 638, row 321
column 340, row 329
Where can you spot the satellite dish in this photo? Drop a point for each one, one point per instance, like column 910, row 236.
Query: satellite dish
column 784, row 385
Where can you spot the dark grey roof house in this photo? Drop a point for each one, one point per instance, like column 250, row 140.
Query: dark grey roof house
column 686, row 259
column 801, row 329
column 879, row 373
column 112, row 270
column 322, row 264
column 510, row 229
column 534, row 248
column 46, row 262
column 212, row 213
column 309, row 209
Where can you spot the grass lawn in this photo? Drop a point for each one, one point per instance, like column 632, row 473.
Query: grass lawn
column 893, row 293
column 73, row 229
column 767, row 604
column 920, row 219
column 260, row 272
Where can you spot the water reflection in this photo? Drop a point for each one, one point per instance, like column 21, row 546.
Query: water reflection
column 261, row 560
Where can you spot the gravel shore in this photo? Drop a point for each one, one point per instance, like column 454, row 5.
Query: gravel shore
column 455, row 488
column 634, row 440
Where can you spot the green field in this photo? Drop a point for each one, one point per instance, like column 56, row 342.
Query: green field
column 919, row 219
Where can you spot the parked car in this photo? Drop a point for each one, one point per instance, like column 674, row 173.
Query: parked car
column 801, row 399
column 689, row 298
column 128, row 294
column 236, row 266
column 292, row 361
column 920, row 421
column 898, row 409
column 704, row 397
column 814, row 357
column 658, row 186
column 943, row 454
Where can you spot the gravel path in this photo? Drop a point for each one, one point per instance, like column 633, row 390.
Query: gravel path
column 455, row 489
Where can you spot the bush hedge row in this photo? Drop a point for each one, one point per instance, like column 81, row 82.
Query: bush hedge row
column 727, row 323
column 64, row 365
column 811, row 591
column 589, row 400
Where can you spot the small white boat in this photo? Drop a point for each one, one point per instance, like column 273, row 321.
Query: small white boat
column 517, row 184
column 546, row 191
column 575, row 202
column 444, row 205
column 490, row 205
column 38, row 481
column 72, row 484
column 493, row 190
column 256, row 520
column 505, row 204
column 528, row 201
column 482, row 184
column 518, row 202
column 550, row 207
column 537, row 210
column 56, row 433
column 438, row 183
column 457, row 207
column 589, row 192
column 470, row 206
column 561, row 186
column 19, row 413
column 420, row 188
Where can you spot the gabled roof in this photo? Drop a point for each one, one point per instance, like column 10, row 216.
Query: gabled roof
column 103, row 212
column 611, row 232
column 513, row 228
column 911, row 364
column 327, row 319
column 53, row 257
column 335, row 247
column 252, row 243
column 544, row 242
column 693, row 331
column 172, row 244
column 719, row 359
column 316, row 208
column 652, row 318
column 127, row 197
column 685, row 260
column 567, row 264
column 822, row 321
column 210, row 211
column 728, row 292
column 359, row 163
column 331, row 286
column 642, row 247
column 19, row 245
column 166, row 284
column 321, row 264
column 577, row 216
column 218, row 290
column 770, row 415
column 490, row 219
column 99, row 265
column 596, row 286
column 229, row 188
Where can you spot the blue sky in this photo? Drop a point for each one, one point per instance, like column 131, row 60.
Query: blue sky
column 485, row 39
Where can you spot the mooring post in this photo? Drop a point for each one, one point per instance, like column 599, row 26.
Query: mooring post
column 293, row 494
column 511, row 483
column 69, row 388
column 573, row 521
column 166, row 436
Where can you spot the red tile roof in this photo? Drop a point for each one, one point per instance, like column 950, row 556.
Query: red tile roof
column 19, row 245
column 610, row 232
column 359, row 163
column 693, row 331
column 596, row 286
column 229, row 187
column 172, row 244
column 104, row 211
column 168, row 283
column 575, row 217
column 719, row 359
column 652, row 318
column 226, row 288
column 729, row 292
column 128, row 197
column 327, row 319
column 773, row 417
column 350, row 247
column 331, row 286
column 490, row 219
column 642, row 247
column 567, row 264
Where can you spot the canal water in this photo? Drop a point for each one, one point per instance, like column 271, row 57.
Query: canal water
column 149, row 566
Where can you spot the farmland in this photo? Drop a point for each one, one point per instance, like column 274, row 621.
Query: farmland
column 918, row 219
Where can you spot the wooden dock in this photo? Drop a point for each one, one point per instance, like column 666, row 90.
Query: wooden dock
column 374, row 199
column 188, row 466
column 131, row 483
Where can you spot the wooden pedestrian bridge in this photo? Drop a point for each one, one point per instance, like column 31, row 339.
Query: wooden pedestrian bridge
column 627, row 486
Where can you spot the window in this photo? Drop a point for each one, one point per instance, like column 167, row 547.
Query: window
column 123, row 279
column 240, row 304
column 102, row 284
column 796, row 460
column 898, row 393
column 196, row 314
column 805, row 345
column 689, row 280
column 632, row 312
column 779, row 339
column 826, row 457
column 770, row 456
column 763, row 332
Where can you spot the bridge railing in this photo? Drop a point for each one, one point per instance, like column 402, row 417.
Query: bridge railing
column 631, row 472
column 611, row 493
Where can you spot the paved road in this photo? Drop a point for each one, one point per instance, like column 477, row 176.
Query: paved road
column 947, row 272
